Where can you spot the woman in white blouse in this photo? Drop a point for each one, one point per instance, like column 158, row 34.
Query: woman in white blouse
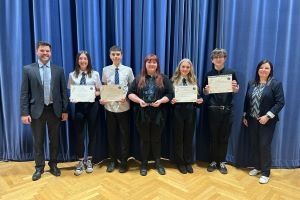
column 85, row 112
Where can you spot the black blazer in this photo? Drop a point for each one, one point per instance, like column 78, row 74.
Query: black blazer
column 272, row 98
column 32, row 91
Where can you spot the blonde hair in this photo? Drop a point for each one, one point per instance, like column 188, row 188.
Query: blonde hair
column 191, row 77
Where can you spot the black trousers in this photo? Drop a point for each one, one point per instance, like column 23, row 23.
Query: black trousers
column 118, row 130
column 220, row 123
column 38, row 126
column 184, row 121
column 85, row 114
column 260, row 142
column 150, row 139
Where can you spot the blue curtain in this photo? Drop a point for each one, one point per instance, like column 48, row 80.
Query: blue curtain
column 252, row 31
column 249, row 30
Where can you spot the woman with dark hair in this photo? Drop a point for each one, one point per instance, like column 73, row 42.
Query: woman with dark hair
column 150, row 91
column 85, row 112
column 264, row 100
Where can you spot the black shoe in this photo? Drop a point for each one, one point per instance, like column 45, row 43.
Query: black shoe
column 160, row 169
column 123, row 167
column 143, row 170
column 189, row 169
column 111, row 167
column 54, row 170
column 212, row 166
column 37, row 174
column 182, row 169
column 223, row 168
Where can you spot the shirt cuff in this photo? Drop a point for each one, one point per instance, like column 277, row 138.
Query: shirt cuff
column 270, row 114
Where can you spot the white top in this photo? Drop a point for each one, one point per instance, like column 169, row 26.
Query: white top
column 125, row 79
column 93, row 80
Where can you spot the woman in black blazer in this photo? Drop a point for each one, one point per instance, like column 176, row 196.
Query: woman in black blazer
column 264, row 100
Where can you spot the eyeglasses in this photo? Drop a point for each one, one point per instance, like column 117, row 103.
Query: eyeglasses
column 82, row 51
column 216, row 57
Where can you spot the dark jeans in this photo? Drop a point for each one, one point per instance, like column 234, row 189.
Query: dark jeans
column 260, row 142
column 85, row 114
column 38, row 127
column 118, row 128
column 220, row 122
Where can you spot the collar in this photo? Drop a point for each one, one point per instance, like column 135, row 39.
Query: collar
column 182, row 77
column 219, row 71
column 117, row 66
column 150, row 76
column 80, row 72
column 41, row 64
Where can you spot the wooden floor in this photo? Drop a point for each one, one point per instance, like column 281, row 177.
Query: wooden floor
column 16, row 183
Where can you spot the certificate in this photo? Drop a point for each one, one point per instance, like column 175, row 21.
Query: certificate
column 111, row 92
column 186, row 93
column 220, row 83
column 82, row 93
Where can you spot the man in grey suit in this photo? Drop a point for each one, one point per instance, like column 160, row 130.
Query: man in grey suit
column 44, row 101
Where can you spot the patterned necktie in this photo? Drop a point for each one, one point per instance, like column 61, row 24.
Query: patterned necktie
column 184, row 82
column 255, row 100
column 83, row 79
column 117, row 79
column 46, row 83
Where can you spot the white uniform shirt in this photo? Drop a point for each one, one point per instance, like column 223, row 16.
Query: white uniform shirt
column 93, row 80
column 125, row 79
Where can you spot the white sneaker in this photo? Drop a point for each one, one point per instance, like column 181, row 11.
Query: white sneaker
column 79, row 168
column 263, row 179
column 89, row 166
column 254, row 172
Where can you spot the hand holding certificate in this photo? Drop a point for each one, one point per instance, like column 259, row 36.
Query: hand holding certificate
column 112, row 92
column 220, row 84
column 186, row 93
column 82, row 93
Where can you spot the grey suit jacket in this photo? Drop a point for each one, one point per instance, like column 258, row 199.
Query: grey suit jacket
column 32, row 91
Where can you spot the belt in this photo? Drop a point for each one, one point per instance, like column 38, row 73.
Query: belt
column 219, row 107
column 49, row 105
